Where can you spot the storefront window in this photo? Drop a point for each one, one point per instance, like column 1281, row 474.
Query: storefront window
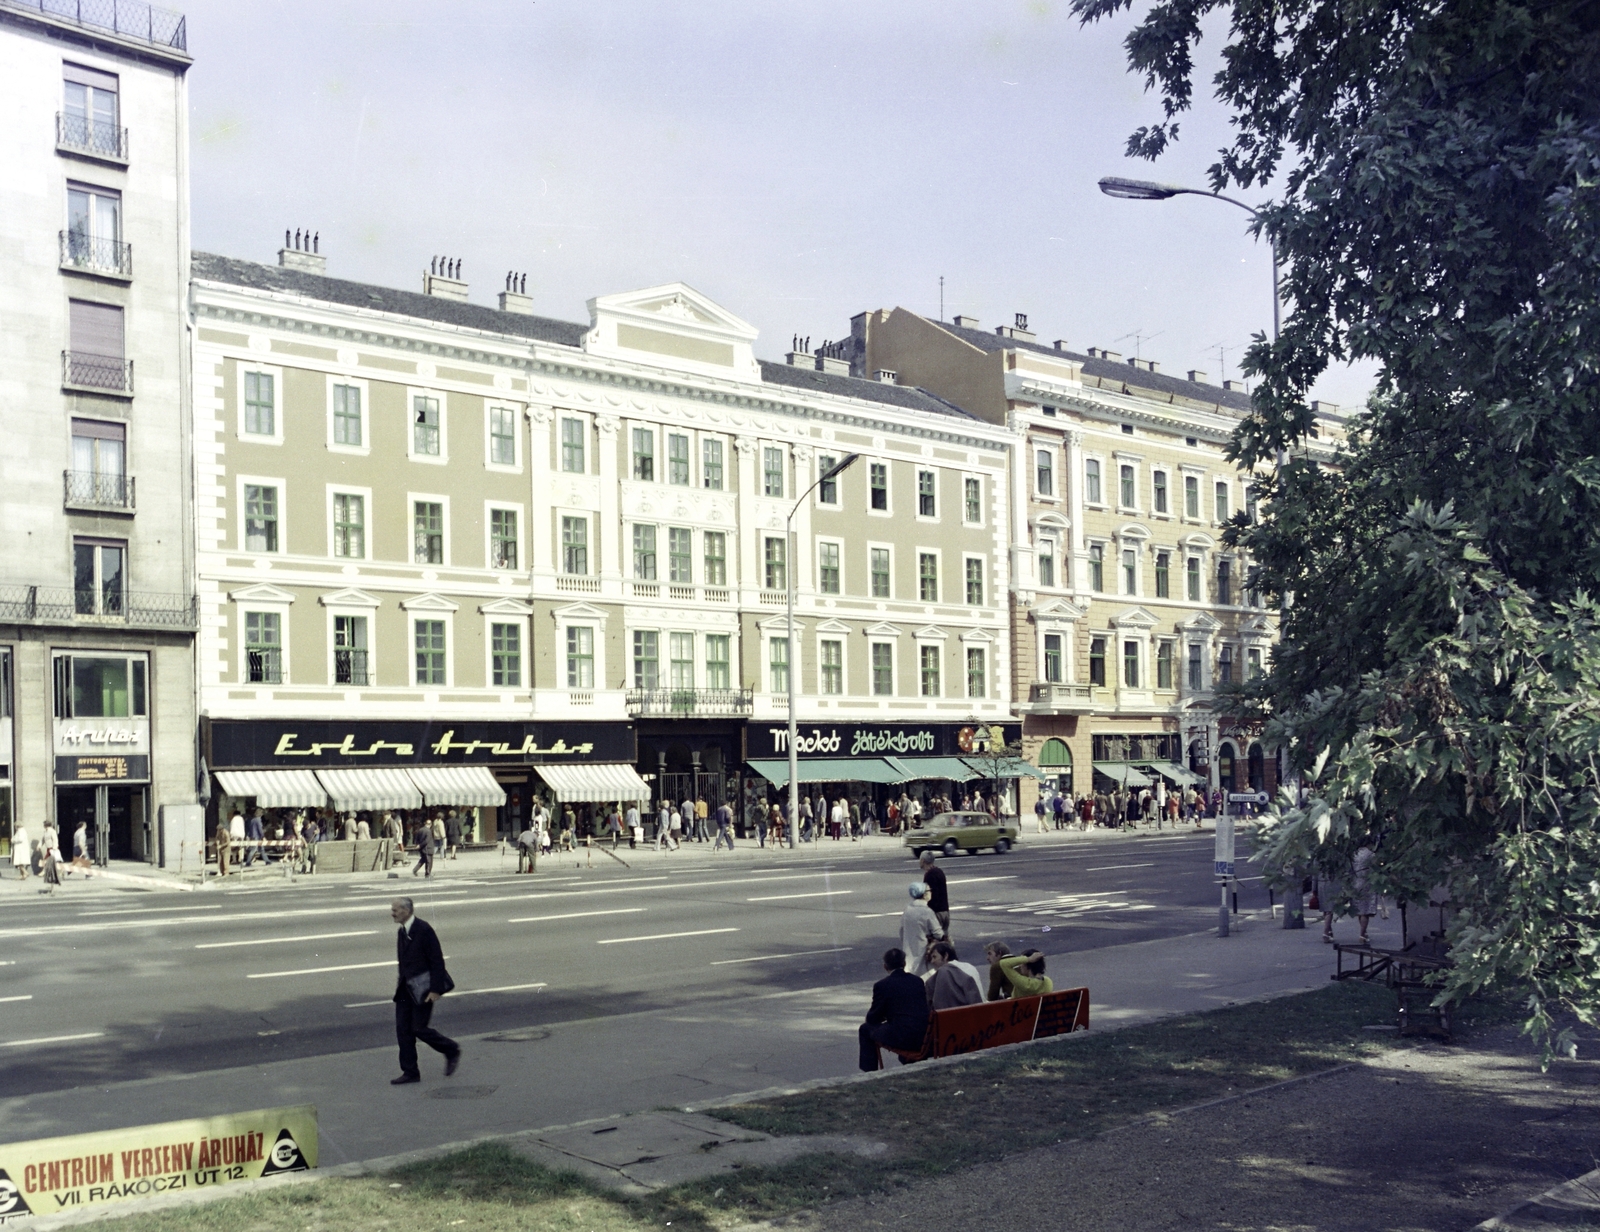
column 96, row 687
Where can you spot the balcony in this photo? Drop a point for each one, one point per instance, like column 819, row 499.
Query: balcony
column 1047, row 697
column 350, row 667
column 90, row 138
column 100, row 374
column 63, row 605
column 92, row 254
column 690, row 703
column 130, row 19
column 263, row 664
column 96, row 490
column 577, row 584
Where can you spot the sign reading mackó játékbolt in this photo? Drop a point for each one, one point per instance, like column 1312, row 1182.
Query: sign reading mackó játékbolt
column 766, row 740
column 292, row 743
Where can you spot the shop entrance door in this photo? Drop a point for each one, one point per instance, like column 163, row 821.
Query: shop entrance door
column 111, row 815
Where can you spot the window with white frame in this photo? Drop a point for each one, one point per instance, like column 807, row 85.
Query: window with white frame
column 680, row 660
column 1091, row 480
column 644, row 454
column 1044, row 472
column 882, row 669
column 974, row 581
column 927, row 494
column 1225, row 665
column 1128, row 492
column 972, row 502
column 928, row 669
column 718, row 669
column 263, row 647
column 828, row 572
column 1097, row 662
column 580, row 657
column 1047, row 562
column 349, row 424
column 680, row 555
column 260, row 404
column 503, row 537
column 832, row 665
column 1223, row 511
column 775, row 564
column 1165, row 666
column 1097, row 567
column 928, row 577
column 778, row 664
column 711, row 464
column 1252, row 663
column 1158, row 491
column 505, row 656
column 644, row 553
column 878, row 561
column 878, row 487
column 714, row 545
column 977, row 672
column 349, row 525
column 426, row 435
column 678, row 459
column 1225, row 581
column 1191, row 497
column 573, row 435
column 575, row 546
column 502, row 436
column 646, row 659
column 427, row 530
column 260, row 517
column 827, row 488
column 1130, row 571
column 1163, row 575
column 428, row 641
column 1191, row 575
column 350, row 665
column 1130, row 663
column 1196, row 668
column 772, row 471
column 1054, row 658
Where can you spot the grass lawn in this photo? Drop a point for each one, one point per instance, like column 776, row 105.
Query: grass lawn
column 933, row 1119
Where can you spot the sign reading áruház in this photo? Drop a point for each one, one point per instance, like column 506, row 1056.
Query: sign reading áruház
column 55, row 1174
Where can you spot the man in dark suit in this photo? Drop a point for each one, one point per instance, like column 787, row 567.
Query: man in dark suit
column 899, row 1014
column 417, row 947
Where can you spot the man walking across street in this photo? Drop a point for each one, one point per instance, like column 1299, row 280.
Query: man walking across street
column 938, row 891
column 423, row 980
column 724, row 827
column 425, row 849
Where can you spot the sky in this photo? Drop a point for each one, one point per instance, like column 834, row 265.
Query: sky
column 798, row 163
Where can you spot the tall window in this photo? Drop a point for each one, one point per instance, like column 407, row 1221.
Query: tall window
column 347, row 415
column 575, row 546
column 878, row 559
column 680, row 660
column 425, row 426
column 1053, row 658
column 1196, row 669
column 644, row 453
column 502, row 436
column 1191, row 576
column 580, row 657
column 833, row 668
column 427, row 524
column 1223, row 512
column 977, row 672
column 260, row 518
column 1225, row 665
column 502, row 538
column 882, row 669
column 715, row 543
column 1158, row 490
column 349, row 525
column 1163, row 575
column 1224, row 581
column 827, row 489
column 772, row 471
column 778, row 664
column 99, row 463
column 928, row 577
column 972, row 509
column 775, row 561
column 678, row 460
column 1097, row 567
column 1250, row 502
column 644, row 553
column 572, row 459
column 1191, row 496
column 89, row 114
column 718, row 675
column 926, row 507
column 1130, row 571
column 646, row 658
column 711, row 464
column 878, row 485
column 828, row 568
column 1091, row 481
column 260, row 404
column 974, row 582
column 1130, row 664
column 928, row 670
column 505, row 656
column 99, row 688
column 1047, row 562
column 1164, row 666
column 1097, row 661
column 680, row 555
column 1129, row 495
column 428, row 636
column 263, row 647
column 1252, row 663
column 350, row 650
column 1044, row 472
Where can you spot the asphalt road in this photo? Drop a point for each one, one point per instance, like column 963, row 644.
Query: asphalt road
column 105, row 985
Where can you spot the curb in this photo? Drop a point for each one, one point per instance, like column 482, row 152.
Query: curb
column 1579, row 1194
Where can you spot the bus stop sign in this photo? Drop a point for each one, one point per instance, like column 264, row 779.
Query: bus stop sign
column 1224, row 852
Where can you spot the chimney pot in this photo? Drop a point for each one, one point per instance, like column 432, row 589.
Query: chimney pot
column 887, row 376
column 1198, row 377
column 1060, row 344
column 299, row 252
column 441, row 280
column 965, row 322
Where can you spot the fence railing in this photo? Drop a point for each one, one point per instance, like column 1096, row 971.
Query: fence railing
column 350, row 666
column 66, row 605
column 96, row 254
column 263, row 665
column 96, row 488
column 681, row 702
column 129, row 18
column 84, row 135
column 83, row 370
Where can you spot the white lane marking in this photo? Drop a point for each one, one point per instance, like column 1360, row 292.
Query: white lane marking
column 51, row 1039
column 726, row 962
column 272, row 975
column 573, row 915
column 150, row 910
column 699, row 932
column 1106, row 868
column 25, row 997
column 880, row 915
column 973, row 880
column 222, row 945
column 774, row 898
column 472, row 992
column 361, row 1005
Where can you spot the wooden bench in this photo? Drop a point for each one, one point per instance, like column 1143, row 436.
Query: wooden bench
column 1409, row 973
column 970, row 1028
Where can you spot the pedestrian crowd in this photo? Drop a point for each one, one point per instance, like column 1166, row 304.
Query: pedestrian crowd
column 1121, row 807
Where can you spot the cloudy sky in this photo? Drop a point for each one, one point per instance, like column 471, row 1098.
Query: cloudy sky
column 798, row 163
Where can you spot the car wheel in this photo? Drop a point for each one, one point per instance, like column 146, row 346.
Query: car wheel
column 1001, row 847
column 951, row 847
column 916, row 853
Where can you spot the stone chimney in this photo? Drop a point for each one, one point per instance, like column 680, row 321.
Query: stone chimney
column 1198, row 377
column 443, row 279
column 1235, row 386
column 1325, row 408
column 302, row 250
column 1060, row 344
column 965, row 322
column 1101, row 353
column 515, row 297
column 887, row 376
column 1017, row 330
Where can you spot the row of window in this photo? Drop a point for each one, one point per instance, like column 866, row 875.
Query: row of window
column 881, row 661
column 1054, row 666
column 1223, row 588
column 264, row 658
column 1162, row 497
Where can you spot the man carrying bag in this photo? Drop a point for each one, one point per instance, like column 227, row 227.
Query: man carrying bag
column 423, row 980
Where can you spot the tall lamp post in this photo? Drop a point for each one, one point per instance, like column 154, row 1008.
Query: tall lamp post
column 833, row 471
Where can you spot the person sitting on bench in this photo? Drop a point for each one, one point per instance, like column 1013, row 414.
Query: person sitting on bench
column 952, row 983
column 1025, row 973
column 898, row 1018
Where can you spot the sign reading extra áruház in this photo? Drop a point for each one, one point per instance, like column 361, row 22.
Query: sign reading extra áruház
column 290, row 743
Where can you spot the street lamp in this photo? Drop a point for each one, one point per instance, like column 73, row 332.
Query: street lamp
column 1149, row 190
column 836, row 469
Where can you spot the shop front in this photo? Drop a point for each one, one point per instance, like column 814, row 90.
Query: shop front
column 102, row 781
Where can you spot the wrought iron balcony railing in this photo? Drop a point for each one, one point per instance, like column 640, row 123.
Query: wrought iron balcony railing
column 97, row 138
column 101, row 490
column 263, row 665
column 66, row 605
column 96, row 255
column 685, row 703
column 350, row 666
column 105, row 373
column 131, row 19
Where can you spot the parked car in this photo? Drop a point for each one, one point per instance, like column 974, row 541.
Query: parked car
column 969, row 832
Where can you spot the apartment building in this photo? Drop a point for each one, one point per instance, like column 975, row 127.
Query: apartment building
column 509, row 555
column 96, row 608
column 1127, row 609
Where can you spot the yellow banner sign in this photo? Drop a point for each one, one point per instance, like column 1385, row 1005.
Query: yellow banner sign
column 58, row 1174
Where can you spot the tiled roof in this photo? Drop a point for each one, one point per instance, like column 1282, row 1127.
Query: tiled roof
column 907, row 396
column 1138, row 380
column 251, row 274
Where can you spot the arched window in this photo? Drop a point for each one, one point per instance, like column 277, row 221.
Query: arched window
column 1055, row 756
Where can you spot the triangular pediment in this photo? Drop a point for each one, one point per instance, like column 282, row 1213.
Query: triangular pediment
column 778, row 625
column 1058, row 609
column 672, row 326
column 349, row 597
column 1135, row 618
column 261, row 593
column 1200, row 622
column 505, row 607
column 931, row 633
column 429, row 603
column 579, row 611
column 882, row 629
column 833, row 626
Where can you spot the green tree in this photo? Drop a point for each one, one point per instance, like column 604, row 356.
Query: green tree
column 1438, row 211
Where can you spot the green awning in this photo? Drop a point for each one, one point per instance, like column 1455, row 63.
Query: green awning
column 831, row 770
column 1172, row 770
column 952, row 768
column 1122, row 772
column 1007, row 768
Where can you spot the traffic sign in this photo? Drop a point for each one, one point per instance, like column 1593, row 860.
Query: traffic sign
column 1224, row 851
column 1247, row 797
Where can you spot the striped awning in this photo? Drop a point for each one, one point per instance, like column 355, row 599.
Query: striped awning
column 833, row 770
column 1122, row 772
column 952, row 768
column 1175, row 772
column 599, row 783
column 472, row 786
column 274, row 788
column 1005, row 768
column 372, row 787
